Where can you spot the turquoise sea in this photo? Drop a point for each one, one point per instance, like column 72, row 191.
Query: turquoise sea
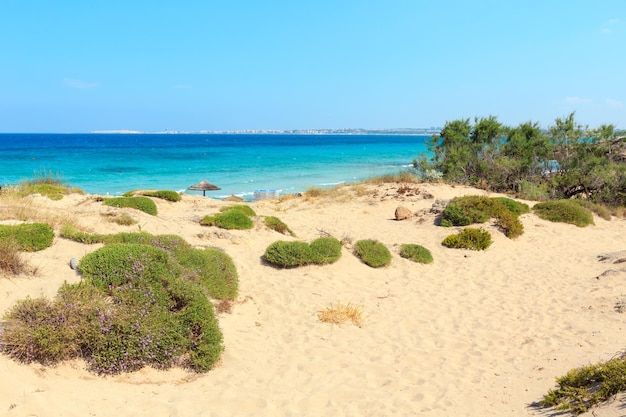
column 238, row 163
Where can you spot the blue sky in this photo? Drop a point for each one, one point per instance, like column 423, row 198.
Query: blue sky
column 79, row 66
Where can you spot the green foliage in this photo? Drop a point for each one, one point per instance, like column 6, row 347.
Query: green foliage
column 29, row 237
column 277, row 225
column 213, row 269
column 416, row 253
column 513, row 206
column 117, row 264
column 569, row 160
column 148, row 316
column 325, row 250
column 230, row 219
column 288, row 254
column 244, row 208
column 463, row 211
column 469, row 238
column 321, row 251
column 46, row 183
column 566, row 211
column 140, row 203
column 372, row 253
column 587, row 386
column 163, row 195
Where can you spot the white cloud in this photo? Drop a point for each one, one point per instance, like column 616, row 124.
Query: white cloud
column 610, row 25
column 616, row 104
column 577, row 100
column 80, row 84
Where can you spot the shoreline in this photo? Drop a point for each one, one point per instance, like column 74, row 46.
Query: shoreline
column 474, row 333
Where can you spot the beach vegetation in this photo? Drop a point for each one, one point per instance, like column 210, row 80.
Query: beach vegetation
column 229, row 219
column 416, row 253
column 28, row 237
column 469, row 238
column 138, row 305
column 139, row 203
column 11, row 260
column 474, row 209
column 123, row 219
column 212, row 268
column 277, row 225
column 403, row 177
column 582, row 388
column 167, row 195
column 323, row 250
column 46, row 183
column 564, row 211
column 244, row 208
column 563, row 161
column 341, row 313
column 372, row 252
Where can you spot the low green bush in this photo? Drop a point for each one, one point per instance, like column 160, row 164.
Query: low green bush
column 416, row 253
column 116, row 264
column 135, row 308
column 582, row 388
column 213, row 269
column 231, row 219
column 466, row 210
column 29, row 237
column 288, row 254
column 277, row 225
column 515, row 207
column 565, row 211
column 244, row 208
column 372, row 253
column 469, row 238
column 140, row 203
column 163, row 195
column 325, row 250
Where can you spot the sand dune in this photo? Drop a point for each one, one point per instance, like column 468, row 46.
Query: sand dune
column 472, row 334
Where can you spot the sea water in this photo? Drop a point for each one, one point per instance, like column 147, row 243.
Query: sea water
column 239, row 164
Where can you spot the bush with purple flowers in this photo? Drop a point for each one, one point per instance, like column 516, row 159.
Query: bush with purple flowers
column 135, row 308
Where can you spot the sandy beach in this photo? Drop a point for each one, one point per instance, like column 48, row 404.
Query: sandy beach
column 472, row 334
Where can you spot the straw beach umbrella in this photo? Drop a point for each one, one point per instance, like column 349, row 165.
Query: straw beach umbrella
column 204, row 186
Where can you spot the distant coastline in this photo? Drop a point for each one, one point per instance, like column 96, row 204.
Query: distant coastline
column 347, row 131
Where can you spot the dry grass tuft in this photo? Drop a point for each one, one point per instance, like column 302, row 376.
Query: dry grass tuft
column 11, row 260
column 341, row 313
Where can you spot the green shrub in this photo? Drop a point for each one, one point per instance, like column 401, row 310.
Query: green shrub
column 277, row 225
column 534, row 192
column 600, row 210
column 140, row 203
column 514, row 206
column 70, row 232
column 231, row 219
column 469, row 238
column 214, row 270
column 372, row 253
column 288, row 254
column 244, row 208
column 29, row 237
column 163, row 195
column 566, row 211
column 416, row 253
column 325, row 250
column 463, row 211
column 587, row 386
column 117, row 264
column 151, row 317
